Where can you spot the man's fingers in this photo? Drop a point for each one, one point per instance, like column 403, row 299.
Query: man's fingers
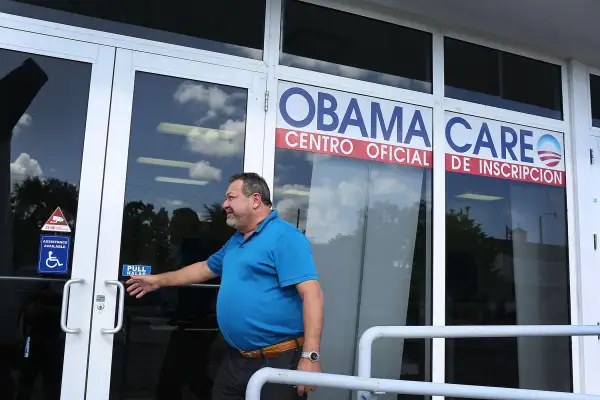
column 301, row 391
column 143, row 292
column 135, row 285
column 136, row 291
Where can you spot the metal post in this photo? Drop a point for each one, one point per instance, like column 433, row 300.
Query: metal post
column 291, row 377
column 426, row 332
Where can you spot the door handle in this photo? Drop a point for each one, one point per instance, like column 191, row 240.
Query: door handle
column 121, row 307
column 65, row 304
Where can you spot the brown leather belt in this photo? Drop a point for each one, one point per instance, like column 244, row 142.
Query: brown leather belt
column 274, row 350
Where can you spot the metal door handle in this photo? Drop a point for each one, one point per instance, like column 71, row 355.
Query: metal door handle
column 65, row 305
column 121, row 306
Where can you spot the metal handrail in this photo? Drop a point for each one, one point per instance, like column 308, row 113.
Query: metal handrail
column 429, row 332
column 291, row 377
column 367, row 386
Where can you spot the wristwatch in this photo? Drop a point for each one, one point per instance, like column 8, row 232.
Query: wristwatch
column 313, row 356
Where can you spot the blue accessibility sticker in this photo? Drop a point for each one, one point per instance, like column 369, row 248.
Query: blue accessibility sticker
column 54, row 254
column 129, row 270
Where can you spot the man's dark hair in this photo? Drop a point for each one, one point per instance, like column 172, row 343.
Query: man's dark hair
column 253, row 183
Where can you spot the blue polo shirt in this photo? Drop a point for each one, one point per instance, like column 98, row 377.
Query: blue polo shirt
column 258, row 304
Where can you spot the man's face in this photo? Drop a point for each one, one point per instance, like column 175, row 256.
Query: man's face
column 237, row 206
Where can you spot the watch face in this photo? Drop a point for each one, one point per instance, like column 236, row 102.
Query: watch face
column 314, row 356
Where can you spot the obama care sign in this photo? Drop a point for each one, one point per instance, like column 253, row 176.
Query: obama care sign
column 331, row 122
column 323, row 121
column 501, row 150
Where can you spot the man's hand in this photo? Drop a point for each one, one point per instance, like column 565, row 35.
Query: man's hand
column 142, row 284
column 307, row 366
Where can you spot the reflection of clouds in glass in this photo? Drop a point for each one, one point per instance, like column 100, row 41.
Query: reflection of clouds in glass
column 25, row 121
column 227, row 141
column 244, row 51
column 336, row 199
column 354, row 73
column 219, row 102
column 216, row 138
column 203, row 170
column 310, row 157
column 24, row 167
column 175, row 203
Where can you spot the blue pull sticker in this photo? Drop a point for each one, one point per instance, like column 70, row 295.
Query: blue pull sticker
column 129, row 270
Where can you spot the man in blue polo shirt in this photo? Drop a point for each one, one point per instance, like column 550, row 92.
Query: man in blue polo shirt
column 270, row 304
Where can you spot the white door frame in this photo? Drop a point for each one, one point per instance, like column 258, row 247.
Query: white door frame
column 85, row 241
column 113, row 200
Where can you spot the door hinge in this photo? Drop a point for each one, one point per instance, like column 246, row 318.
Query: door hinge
column 591, row 156
column 595, row 241
column 266, row 101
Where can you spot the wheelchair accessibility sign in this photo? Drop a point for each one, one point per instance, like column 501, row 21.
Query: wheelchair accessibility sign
column 54, row 254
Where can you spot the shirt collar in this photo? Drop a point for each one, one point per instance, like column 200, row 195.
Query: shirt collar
column 272, row 215
column 266, row 221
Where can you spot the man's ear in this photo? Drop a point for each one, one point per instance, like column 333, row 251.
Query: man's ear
column 256, row 201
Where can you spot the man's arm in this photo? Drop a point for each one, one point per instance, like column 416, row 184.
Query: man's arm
column 295, row 266
column 312, row 307
column 195, row 273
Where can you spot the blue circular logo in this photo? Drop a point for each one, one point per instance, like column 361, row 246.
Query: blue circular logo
column 549, row 150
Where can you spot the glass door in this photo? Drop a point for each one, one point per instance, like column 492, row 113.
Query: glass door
column 178, row 130
column 53, row 132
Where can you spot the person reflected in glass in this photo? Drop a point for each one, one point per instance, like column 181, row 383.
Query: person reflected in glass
column 270, row 304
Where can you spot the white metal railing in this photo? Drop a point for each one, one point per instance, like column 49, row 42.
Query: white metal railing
column 368, row 387
column 291, row 377
column 429, row 332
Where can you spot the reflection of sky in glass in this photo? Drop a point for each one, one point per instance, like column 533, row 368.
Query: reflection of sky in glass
column 337, row 189
column 497, row 101
column 187, row 138
column 355, row 73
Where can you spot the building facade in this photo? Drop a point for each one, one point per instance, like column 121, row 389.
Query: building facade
column 443, row 171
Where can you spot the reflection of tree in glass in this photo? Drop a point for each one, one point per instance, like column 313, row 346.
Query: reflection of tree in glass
column 470, row 260
column 216, row 218
column 150, row 237
column 145, row 235
column 32, row 202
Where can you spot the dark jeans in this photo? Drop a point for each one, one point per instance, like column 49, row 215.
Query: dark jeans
column 235, row 372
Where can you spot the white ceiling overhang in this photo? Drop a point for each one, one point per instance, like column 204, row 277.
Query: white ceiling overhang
column 566, row 29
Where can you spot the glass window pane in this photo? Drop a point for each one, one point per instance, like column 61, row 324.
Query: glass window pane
column 595, row 99
column 187, row 138
column 506, row 252
column 224, row 26
column 364, row 201
column 43, row 122
column 496, row 78
column 325, row 40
